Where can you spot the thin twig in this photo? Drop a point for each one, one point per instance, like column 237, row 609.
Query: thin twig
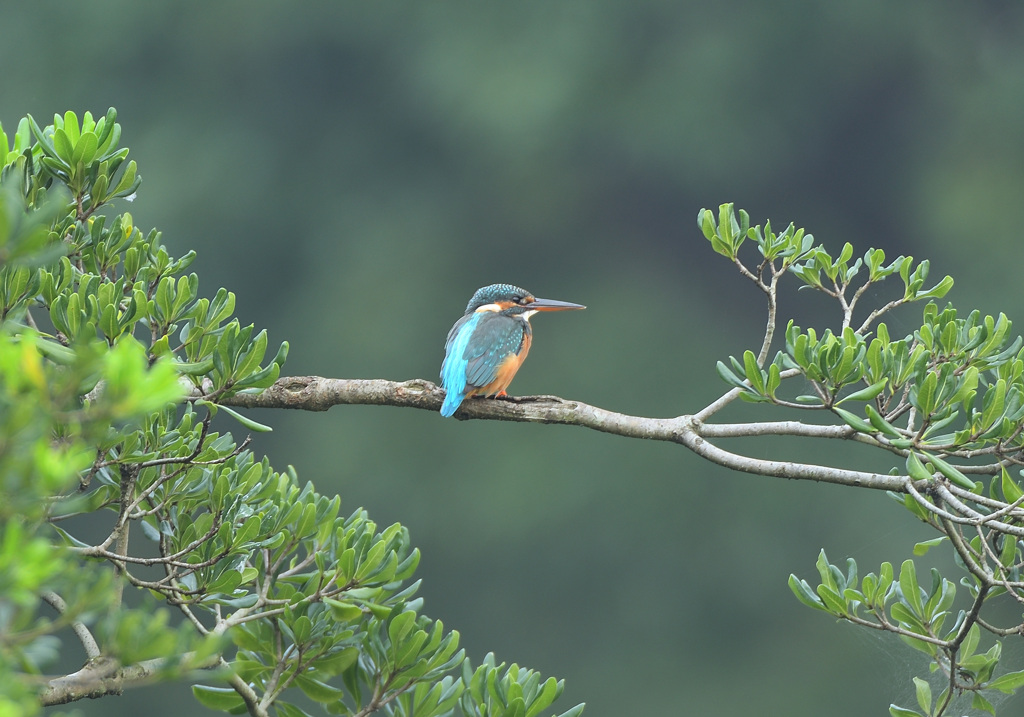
column 247, row 693
column 92, row 650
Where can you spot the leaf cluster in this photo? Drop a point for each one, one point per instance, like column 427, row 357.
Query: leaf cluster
column 922, row 617
column 945, row 403
column 113, row 365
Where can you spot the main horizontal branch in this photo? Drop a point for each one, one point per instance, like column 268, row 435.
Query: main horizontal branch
column 313, row 393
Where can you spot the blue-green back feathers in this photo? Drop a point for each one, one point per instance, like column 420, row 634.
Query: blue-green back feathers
column 476, row 347
column 494, row 339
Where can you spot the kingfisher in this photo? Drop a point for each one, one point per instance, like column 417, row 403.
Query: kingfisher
column 489, row 343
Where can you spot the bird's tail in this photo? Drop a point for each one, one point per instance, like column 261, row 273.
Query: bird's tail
column 451, row 404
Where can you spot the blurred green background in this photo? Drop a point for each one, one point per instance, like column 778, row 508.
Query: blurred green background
column 354, row 172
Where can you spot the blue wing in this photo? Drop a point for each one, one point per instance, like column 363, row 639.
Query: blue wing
column 476, row 347
column 453, row 369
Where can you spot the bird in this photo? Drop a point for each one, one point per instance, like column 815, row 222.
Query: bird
column 489, row 343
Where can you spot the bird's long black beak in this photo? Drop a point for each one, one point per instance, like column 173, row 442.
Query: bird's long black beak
column 553, row 305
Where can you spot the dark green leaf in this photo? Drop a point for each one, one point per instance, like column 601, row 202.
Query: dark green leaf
column 222, row 699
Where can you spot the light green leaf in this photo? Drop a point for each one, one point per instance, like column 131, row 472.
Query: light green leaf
column 910, row 588
column 925, row 545
column 1008, row 683
column 574, row 712
column 896, row 711
column 924, row 694
column 980, row 703
column 753, row 372
column 916, row 469
column 247, row 422
column 804, row 593
column 951, row 472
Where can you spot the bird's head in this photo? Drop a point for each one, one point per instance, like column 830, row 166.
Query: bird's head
column 513, row 301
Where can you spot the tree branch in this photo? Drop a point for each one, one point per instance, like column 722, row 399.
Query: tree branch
column 103, row 676
column 247, row 693
column 92, row 650
column 313, row 393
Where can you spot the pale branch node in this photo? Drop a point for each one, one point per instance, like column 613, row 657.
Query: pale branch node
column 313, row 393
column 103, row 676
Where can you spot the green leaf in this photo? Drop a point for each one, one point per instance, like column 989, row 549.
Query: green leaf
column 834, row 602
column 318, row 691
column 774, row 380
column 951, row 472
column 129, row 181
column 826, row 570
column 896, row 711
column 574, row 712
column 44, row 141
column 727, row 225
column 853, row 420
column 1011, row 491
column 286, row 709
column 968, row 386
column 879, row 423
column 867, row 393
column 247, row 422
column 970, row 642
column 197, row 368
column 1008, row 683
column 343, row 611
column 337, row 662
column 924, row 398
column 222, row 699
column 706, row 223
column 916, row 469
column 62, row 145
column 924, row 694
column 282, row 354
column 729, row 377
column 925, row 545
column 70, row 121
column 753, row 372
column 980, row 703
column 995, row 402
column 401, row 625
column 909, row 587
column 937, row 291
column 804, row 593
column 85, row 149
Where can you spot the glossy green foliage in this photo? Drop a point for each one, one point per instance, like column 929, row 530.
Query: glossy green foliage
column 113, row 365
column 47, row 440
column 945, row 404
column 492, row 689
column 955, row 385
column 921, row 615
